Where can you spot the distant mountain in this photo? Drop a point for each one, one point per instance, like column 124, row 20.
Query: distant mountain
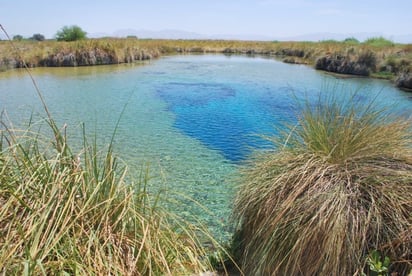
column 403, row 38
column 165, row 34
column 329, row 36
column 179, row 34
column 340, row 37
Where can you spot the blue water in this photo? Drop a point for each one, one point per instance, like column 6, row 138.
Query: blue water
column 192, row 119
column 231, row 105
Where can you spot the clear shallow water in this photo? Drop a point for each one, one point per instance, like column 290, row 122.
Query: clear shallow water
column 193, row 119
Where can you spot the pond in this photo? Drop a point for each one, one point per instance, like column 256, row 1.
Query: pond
column 192, row 120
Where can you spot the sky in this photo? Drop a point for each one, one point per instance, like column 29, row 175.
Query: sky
column 267, row 18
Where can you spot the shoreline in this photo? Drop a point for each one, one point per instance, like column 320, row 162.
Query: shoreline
column 393, row 63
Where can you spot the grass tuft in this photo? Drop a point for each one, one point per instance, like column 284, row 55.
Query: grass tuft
column 62, row 213
column 75, row 214
column 338, row 186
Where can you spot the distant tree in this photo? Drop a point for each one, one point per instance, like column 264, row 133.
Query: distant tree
column 18, row 37
column 38, row 37
column 70, row 33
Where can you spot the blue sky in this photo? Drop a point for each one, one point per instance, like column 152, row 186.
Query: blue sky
column 270, row 18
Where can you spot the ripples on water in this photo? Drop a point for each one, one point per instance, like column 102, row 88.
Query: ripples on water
column 194, row 119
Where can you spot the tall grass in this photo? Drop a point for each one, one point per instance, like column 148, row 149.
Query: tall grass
column 66, row 213
column 76, row 214
column 128, row 50
column 338, row 186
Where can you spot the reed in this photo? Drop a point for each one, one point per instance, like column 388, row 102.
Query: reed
column 125, row 50
column 65, row 213
column 337, row 187
column 62, row 213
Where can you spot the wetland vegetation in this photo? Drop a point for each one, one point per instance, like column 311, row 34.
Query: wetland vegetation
column 335, row 188
column 376, row 57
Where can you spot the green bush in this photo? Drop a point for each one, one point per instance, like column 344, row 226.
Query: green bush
column 38, row 37
column 18, row 37
column 70, row 33
column 351, row 40
column 338, row 186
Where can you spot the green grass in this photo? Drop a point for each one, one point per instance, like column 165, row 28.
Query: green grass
column 383, row 75
column 379, row 42
column 338, row 186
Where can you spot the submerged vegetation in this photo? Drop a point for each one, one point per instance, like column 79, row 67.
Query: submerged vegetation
column 79, row 214
column 333, row 198
column 76, row 214
column 337, row 188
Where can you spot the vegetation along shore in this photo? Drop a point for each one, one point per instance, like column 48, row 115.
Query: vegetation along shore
column 331, row 197
column 376, row 57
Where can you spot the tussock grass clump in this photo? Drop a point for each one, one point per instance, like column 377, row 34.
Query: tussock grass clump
column 61, row 214
column 338, row 187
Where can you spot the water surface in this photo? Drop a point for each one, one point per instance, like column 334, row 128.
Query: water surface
column 192, row 119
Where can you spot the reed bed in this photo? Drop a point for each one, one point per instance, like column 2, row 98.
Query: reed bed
column 390, row 58
column 337, row 187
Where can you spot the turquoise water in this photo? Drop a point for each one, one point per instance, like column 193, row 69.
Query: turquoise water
column 192, row 119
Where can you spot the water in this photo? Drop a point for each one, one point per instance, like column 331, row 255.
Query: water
column 192, row 119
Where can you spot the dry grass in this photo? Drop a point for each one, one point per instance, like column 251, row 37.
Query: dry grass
column 128, row 50
column 75, row 214
column 65, row 213
column 338, row 187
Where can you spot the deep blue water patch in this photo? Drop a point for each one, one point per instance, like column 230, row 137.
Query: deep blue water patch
column 228, row 117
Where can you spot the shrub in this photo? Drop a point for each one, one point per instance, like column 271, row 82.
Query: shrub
column 351, row 40
column 38, row 37
column 338, row 186
column 70, row 33
column 18, row 37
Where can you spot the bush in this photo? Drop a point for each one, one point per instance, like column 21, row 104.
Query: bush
column 338, row 187
column 70, row 33
column 351, row 40
column 38, row 37
column 18, row 37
